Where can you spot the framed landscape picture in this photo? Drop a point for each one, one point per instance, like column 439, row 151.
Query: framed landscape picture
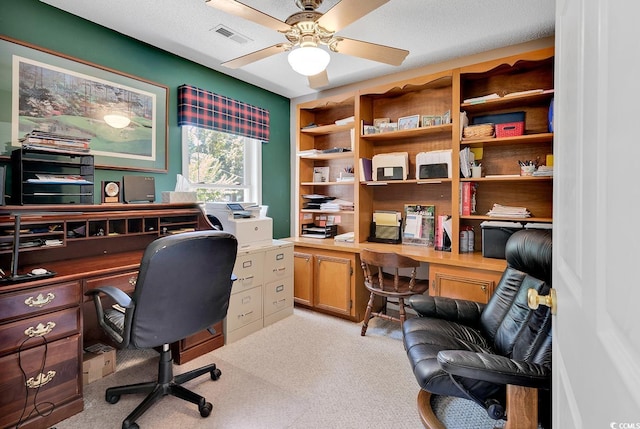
column 125, row 117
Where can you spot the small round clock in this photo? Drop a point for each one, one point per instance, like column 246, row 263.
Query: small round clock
column 111, row 189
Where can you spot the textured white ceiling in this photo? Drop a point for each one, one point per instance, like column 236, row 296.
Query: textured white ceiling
column 431, row 30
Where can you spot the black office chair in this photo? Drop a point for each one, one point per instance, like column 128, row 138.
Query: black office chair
column 183, row 287
column 481, row 352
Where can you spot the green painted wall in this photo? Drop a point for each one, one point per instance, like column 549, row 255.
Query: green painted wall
column 48, row 27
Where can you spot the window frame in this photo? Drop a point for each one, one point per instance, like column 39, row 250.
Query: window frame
column 252, row 167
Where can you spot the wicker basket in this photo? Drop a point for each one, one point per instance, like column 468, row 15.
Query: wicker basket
column 478, row 131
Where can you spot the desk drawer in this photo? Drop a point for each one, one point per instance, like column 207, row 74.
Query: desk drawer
column 248, row 269
column 59, row 382
column 244, row 307
column 39, row 300
column 278, row 264
column 125, row 281
column 51, row 326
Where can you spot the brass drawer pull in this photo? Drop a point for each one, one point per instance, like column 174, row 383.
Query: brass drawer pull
column 40, row 380
column 133, row 280
column 40, row 300
column 39, row 330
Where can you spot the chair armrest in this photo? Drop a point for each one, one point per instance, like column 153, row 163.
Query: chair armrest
column 454, row 310
column 495, row 369
column 120, row 297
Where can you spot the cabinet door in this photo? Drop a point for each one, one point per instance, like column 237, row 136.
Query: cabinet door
column 462, row 283
column 333, row 284
column 303, row 278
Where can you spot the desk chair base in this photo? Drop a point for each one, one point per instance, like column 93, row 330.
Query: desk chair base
column 166, row 384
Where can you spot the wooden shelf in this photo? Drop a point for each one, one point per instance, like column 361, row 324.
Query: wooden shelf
column 507, row 178
column 327, row 211
column 524, row 139
column 415, row 132
column 509, row 219
column 406, row 182
column 327, row 183
column 507, row 102
column 328, row 156
column 327, row 129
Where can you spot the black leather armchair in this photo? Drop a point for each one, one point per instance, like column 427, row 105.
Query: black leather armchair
column 471, row 350
column 183, row 287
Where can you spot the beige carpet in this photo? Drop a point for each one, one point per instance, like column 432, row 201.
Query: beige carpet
column 306, row 371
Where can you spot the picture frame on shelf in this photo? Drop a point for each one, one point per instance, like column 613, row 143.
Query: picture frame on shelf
column 77, row 98
column 430, row 120
column 321, row 174
column 409, row 122
column 386, row 127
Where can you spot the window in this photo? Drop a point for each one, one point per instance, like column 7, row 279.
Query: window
column 222, row 166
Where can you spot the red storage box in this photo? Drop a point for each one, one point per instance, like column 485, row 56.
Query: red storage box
column 510, row 129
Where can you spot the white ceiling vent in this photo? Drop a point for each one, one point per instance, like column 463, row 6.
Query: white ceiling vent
column 230, row 34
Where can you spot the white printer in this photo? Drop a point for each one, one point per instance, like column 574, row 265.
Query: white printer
column 244, row 220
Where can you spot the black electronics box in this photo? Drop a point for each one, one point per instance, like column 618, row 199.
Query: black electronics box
column 397, row 173
column 495, row 236
column 433, row 171
column 139, row 189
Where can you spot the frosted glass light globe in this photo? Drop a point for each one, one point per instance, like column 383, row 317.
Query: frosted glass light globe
column 309, row 61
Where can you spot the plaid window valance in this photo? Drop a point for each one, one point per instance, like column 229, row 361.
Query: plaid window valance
column 216, row 112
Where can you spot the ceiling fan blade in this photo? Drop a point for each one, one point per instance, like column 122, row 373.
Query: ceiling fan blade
column 255, row 56
column 243, row 11
column 319, row 80
column 371, row 51
column 347, row 11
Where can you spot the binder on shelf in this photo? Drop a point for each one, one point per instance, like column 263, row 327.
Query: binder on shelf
column 467, row 198
column 366, row 170
column 443, row 233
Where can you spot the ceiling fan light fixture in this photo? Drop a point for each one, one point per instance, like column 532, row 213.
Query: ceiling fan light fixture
column 309, row 60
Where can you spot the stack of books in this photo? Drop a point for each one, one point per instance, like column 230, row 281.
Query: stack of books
column 53, row 142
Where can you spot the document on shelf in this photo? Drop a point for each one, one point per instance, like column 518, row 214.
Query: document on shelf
column 413, row 226
column 386, row 218
column 482, row 99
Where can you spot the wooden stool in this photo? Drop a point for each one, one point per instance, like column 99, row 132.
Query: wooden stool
column 387, row 285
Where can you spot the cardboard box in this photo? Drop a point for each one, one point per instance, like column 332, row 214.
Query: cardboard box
column 99, row 360
column 178, row 197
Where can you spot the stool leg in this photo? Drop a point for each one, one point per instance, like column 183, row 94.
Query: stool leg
column 367, row 314
column 403, row 314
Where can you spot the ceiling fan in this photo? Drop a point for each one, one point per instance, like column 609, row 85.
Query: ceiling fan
column 307, row 30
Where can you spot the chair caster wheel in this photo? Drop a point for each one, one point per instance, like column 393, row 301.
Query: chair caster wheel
column 132, row 425
column 494, row 409
column 112, row 399
column 215, row 374
column 205, row 410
